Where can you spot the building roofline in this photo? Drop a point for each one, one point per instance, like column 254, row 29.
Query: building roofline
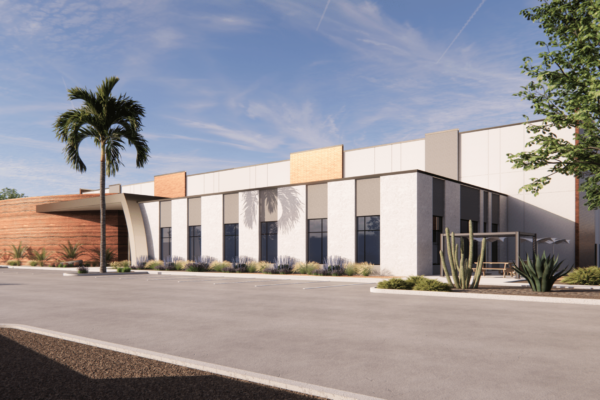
column 412, row 171
column 503, row 126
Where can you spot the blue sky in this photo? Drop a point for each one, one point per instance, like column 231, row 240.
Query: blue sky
column 233, row 83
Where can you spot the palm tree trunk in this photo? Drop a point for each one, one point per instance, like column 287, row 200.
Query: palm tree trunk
column 102, row 210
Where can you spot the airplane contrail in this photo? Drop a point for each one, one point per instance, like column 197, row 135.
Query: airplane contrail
column 459, row 32
column 324, row 11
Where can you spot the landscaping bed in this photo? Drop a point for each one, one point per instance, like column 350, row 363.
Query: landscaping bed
column 526, row 291
column 37, row 366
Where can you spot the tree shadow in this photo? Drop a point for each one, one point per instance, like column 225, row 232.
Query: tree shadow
column 291, row 204
column 250, row 208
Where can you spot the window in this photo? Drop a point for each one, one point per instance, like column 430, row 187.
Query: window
column 495, row 245
column 195, row 244
column 367, row 238
column 231, row 242
column 165, row 243
column 317, row 240
column 437, row 231
column 268, row 241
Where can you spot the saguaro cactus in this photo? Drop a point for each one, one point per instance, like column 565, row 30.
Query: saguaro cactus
column 461, row 269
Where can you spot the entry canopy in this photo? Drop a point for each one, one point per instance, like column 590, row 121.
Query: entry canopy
column 136, row 231
column 547, row 240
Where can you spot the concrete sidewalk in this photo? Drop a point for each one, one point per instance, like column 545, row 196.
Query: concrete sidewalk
column 342, row 337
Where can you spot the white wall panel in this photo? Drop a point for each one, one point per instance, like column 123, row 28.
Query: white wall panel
column 212, row 226
column 291, row 222
column 341, row 219
column 511, row 141
column 511, row 182
column 383, row 159
column 146, row 188
column 195, row 185
column 474, row 154
column 249, row 226
column 413, row 155
column 262, row 176
column 234, row 179
column 279, row 173
column 396, row 157
column 494, row 182
column 493, row 151
column 359, row 162
column 253, row 177
column 209, row 183
column 179, row 228
column 150, row 215
column 399, row 225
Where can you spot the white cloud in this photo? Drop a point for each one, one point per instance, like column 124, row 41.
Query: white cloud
column 300, row 125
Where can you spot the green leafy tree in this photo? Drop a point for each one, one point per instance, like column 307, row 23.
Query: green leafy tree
column 110, row 122
column 8, row 193
column 565, row 88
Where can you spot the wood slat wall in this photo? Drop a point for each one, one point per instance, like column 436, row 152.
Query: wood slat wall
column 19, row 222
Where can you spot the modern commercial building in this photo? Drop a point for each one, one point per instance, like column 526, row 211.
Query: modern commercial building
column 384, row 204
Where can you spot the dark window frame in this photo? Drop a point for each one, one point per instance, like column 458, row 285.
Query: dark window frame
column 236, row 241
column 169, row 242
column 322, row 231
column 194, row 233
column 364, row 224
column 268, row 230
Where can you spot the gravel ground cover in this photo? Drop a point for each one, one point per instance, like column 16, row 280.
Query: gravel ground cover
column 34, row 366
column 526, row 291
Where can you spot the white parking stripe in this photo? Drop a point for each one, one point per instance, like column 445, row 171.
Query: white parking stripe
column 326, row 287
column 296, row 283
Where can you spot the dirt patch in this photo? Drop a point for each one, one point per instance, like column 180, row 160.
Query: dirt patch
column 518, row 291
column 34, row 366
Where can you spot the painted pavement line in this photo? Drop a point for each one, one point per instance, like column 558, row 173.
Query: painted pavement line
column 268, row 380
column 326, row 287
column 296, row 283
column 246, row 281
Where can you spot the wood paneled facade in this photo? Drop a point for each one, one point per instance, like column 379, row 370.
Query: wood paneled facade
column 19, row 222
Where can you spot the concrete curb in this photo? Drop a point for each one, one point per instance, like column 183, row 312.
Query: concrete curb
column 505, row 297
column 112, row 273
column 266, row 380
column 39, row 268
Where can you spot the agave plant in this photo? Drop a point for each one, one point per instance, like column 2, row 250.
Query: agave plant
column 41, row 255
column 18, row 252
column 70, row 251
column 542, row 271
column 461, row 268
column 109, row 254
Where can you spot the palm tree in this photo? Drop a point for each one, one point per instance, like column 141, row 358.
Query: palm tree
column 109, row 121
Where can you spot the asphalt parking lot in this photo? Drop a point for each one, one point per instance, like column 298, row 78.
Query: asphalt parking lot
column 336, row 335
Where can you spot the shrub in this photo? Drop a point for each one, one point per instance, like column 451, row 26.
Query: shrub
column 109, row 255
column 119, row 264
column 432, row 285
column 395, row 283
column 257, row 266
column 365, row 268
column 306, row 268
column 351, row 269
column 583, row 276
column 41, row 255
column 33, row 263
column 82, row 270
column 123, row 269
column 220, row 266
column 14, row 263
column 180, row 265
column 415, row 283
column 542, row 271
column 18, row 252
column 70, row 251
column 154, row 264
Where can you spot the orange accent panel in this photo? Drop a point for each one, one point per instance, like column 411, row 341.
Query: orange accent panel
column 317, row 165
column 19, row 222
column 171, row 185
